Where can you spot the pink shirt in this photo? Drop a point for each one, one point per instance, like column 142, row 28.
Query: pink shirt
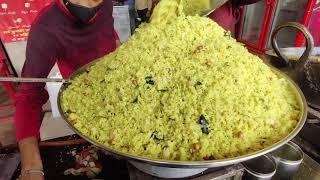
column 55, row 38
column 228, row 15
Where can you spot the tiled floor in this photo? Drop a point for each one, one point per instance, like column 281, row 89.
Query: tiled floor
column 7, row 132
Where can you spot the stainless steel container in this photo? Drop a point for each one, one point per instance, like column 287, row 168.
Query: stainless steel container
column 288, row 159
column 260, row 168
column 193, row 164
column 166, row 172
column 306, row 70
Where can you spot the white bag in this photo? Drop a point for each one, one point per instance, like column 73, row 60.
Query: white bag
column 53, row 90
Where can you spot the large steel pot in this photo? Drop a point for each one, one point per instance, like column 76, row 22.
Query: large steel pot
column 193, row 164
column 306, row 70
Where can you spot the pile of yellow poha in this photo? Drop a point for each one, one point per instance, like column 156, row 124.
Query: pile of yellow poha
column 168, row 10
column 182, row 91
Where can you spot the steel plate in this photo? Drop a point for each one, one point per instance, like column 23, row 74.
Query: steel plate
column 194, row 164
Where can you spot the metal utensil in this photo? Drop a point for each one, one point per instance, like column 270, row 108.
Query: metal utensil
column 191, row 164
column 294, row 53
column 260, row 168
column 305, row 72
column 314, row 113
column 288, row 159
column 296, row 68
column 32, row 80
column 214, row 4
column 167, row 172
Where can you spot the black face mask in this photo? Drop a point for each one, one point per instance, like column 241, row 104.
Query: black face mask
column 81, row 13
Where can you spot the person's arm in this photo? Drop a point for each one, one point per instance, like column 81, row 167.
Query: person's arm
column 149, row 7
column 40, row 58
column 30, row 158
column 118, row 43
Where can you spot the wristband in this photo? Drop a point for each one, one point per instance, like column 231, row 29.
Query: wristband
column 33, row 171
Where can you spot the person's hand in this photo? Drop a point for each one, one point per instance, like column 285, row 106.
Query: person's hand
column 30, row 158
column 148, row 13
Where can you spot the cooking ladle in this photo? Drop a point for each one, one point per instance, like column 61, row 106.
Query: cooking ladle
column 214, row 4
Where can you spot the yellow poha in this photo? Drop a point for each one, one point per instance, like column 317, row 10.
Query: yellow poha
column 168, row 10
column 184, row 91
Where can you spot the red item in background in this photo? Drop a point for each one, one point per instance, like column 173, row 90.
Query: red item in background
column 300, row 41
column 16, row 17
column 2, row 55
column 228, row 15
column 224, row 17
column 315, row 25
column 4, row 71
column 273, row 13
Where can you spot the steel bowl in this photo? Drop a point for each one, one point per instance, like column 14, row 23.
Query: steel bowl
column 260, row 168
column 192, row 164
column 288, row 158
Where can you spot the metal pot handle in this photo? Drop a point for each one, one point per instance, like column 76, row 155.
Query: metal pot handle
column 314, row 113
column 309, row 45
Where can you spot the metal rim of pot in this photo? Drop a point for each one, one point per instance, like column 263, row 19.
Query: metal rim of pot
column 291, row 162
column 262, row 175
column 212, row 163
column 192, row 164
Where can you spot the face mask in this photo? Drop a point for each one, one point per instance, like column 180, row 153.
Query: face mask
column 81, row 13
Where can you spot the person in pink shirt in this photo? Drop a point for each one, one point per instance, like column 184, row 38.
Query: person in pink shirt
column 228, row 15
column 70, row 33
